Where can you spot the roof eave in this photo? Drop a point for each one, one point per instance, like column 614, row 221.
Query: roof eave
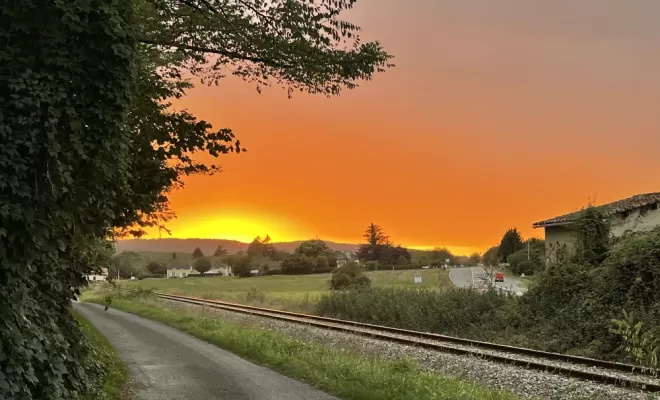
column 551, row 224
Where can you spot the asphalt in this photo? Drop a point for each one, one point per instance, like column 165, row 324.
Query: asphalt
column 477, row 277
column 167, row 364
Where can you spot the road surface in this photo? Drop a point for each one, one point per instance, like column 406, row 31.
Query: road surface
column 167, row 364
column 476, row 277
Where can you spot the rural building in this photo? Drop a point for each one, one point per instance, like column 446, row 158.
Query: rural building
column 98, row 277
column 182, row 272
column 638, row 213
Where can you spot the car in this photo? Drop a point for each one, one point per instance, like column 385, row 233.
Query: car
column 499, row 277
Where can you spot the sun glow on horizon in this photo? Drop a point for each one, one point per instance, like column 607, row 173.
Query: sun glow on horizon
column 234, row 227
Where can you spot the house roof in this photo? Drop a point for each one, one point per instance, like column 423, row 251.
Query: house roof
column 609, row 209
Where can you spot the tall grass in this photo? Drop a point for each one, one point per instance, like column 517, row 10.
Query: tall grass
column 461, row 312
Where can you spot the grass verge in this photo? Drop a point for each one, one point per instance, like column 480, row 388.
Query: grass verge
column 116, row 379
column 344, row 374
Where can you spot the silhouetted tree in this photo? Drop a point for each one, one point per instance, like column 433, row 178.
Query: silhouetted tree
column 220, row 251
column 510, row 243
column 197, row 253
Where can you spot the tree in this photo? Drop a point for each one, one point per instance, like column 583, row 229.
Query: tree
column 298, row 264
column 510, row 243
column 241, row 267
column 299, row 45
column 91, row 146
column 490, row 256
column 322, row 263
column 173, row 255
column 197, row 253
column 475, row 258
column 156, row 268
column 202, row 265
column 65, row 92
column 261, row 248
column 220, row 251
column 439, row 256
column 375, row 236
column 313, row 248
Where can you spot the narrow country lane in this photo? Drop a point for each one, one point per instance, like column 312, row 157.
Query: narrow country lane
column 167, row 364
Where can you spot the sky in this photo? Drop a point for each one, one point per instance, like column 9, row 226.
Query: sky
column 498, row 114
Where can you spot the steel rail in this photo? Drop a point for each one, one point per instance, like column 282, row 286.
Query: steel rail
column 412, row 338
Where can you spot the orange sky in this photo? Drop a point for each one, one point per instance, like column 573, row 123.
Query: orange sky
column 498, row 114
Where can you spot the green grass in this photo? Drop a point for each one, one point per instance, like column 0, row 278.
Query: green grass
column 341, row 373
column 116, row 380
column 291, row 292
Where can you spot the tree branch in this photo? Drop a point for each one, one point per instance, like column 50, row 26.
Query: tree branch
column 229, row 54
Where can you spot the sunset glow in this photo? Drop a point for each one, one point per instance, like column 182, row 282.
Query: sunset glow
column 496, row 116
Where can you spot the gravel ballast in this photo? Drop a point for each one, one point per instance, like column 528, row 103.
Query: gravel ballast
column 526, row 382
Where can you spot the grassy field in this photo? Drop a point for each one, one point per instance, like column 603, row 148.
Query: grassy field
column 341, row 373
column 292, row 292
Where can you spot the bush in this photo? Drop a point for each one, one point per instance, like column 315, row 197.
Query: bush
column 459, row 312
column 371, row 265
column 349, row 276
column 298, row 264
column 156, row 269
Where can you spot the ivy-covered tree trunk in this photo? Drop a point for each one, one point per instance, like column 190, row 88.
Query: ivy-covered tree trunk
column 66, row 71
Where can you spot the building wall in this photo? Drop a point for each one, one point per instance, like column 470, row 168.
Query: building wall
column 638, row 220
column 178, row 272
column 558, row 239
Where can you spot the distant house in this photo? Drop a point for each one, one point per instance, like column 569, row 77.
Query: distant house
column 225, row 270
column 639, row 213
column 183, row 272
column 102, row 277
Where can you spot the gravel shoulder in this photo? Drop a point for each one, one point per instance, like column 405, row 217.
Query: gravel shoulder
column 167, row 364
column 528, row 383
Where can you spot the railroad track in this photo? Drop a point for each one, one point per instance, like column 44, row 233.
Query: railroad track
column 612, row 373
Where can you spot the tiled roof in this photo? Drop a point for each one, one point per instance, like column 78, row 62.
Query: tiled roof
column 610, row 209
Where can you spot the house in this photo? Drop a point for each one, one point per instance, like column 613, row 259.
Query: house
column 224, row 270
column 102, row 277
column 180, row 272
column 638, row 213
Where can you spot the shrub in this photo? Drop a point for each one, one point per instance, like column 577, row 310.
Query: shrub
column 371, row 265
column 456, row 312
column 348, row 276
column 298, row 264
column 156, row 269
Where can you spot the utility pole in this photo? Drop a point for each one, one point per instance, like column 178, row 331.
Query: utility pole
column 528, row 259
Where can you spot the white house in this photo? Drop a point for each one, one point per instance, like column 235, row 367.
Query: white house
column 183, row 272
column 180, row 272
column 102, row 277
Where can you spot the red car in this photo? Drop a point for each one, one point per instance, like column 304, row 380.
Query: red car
column 499, row 277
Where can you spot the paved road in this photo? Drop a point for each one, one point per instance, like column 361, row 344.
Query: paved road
column 461, row 277
column 477, row 278
column 167, row 364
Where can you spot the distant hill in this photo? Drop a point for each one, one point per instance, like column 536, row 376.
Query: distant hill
column 208, row 246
